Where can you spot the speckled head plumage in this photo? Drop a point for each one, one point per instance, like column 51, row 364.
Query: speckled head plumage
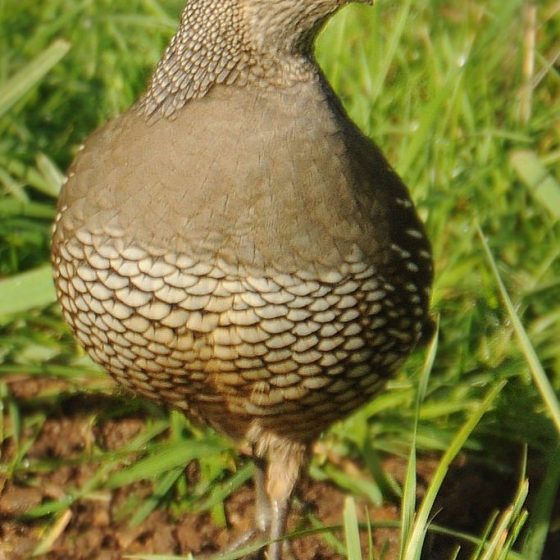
column 287, row 26
column 266, row 43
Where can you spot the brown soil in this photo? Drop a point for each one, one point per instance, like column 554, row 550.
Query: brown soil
column 92, row 529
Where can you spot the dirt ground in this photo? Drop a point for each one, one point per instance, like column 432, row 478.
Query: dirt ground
column 92, row 530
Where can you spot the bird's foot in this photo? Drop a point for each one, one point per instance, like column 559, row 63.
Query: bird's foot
column 287, row 552
column 249, row 545
column 255, row 545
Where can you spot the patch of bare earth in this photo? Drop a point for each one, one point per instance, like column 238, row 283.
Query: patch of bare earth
column 94, row 528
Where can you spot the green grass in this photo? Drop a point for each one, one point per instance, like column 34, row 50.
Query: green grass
column 441, row 87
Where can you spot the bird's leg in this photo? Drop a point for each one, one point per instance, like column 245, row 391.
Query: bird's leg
column 280, row 509
column 284, row 465
column 262, row 510
column 262, row 501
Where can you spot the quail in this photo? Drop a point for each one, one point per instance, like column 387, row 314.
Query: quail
column 233, row 246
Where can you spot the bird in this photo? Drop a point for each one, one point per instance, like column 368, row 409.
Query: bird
column 234, row 247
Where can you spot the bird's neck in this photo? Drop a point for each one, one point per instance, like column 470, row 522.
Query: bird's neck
column 213, row 47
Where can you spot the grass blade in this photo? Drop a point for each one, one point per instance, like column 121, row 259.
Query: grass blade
column 408, row 503
column 392, row 47
column 160, row 491
column 52, row 175
column 414, row 546
column 539, row 521
column 535, row 366
column 14, row 207
column 542, row 185
column 170, row 457
column 351, row 530
column 221, row 491
column 508, row 526
column 19, row 84
column 26, row 290
column 52, row 535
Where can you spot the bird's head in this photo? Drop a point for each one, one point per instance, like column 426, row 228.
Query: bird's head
column 288, row 25
column 237, row 42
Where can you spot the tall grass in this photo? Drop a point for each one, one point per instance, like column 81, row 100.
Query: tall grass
column 462, row 96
